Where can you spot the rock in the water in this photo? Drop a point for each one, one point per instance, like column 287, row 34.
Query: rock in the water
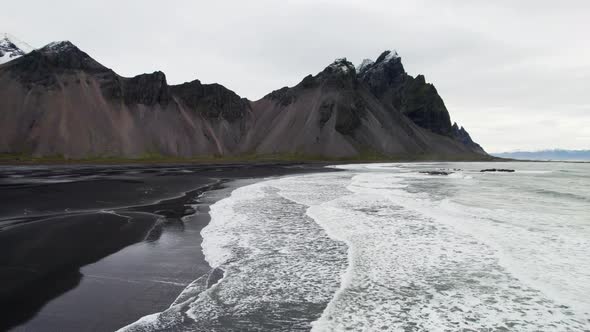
column 436, row 172
column 497, row 170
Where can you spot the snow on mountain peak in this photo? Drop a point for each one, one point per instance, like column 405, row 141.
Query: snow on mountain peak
column 12, row 48
column 391, row 55
column 366, row 63
column 6, row 37
column 387, row 56
column 343, row 65
column 58, row 46
column 387, row 59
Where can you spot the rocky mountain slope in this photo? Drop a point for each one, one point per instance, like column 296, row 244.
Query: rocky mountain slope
column 59, row 101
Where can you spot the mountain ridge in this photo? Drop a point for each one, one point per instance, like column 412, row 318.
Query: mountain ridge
column 66, row 103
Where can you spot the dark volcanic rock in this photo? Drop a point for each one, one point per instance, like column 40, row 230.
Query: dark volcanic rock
column 351, row 108
column 418, row 100
column 341, row 74
column 348, row 108
column 66, row 56
column 460, row 134
column 33, row 69
column 436, row 172
column 212, row 100
column 383, row 75
column 146, row 89
column 421, row 103
column 349, row 115
column 284, row 96
column 326, row 110
column 40, row 67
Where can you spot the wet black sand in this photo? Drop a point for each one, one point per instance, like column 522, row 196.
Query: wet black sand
column 109, row 246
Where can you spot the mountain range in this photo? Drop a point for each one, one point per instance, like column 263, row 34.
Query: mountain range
column 555, row 154
column 57, row 100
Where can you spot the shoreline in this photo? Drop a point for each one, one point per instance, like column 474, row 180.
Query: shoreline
column 142, row 275
column 250, row 160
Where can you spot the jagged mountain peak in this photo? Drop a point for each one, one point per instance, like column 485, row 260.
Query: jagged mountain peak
column 41, row 66
column 413, row 96
column 64, row 49
column 388, row 61
column 342, row 65
column 155, row 76
column 340, row 73
column 463, row 136
column 387, row 56
column 58, row 46
column 65, row 55
column 364, row 64
column 12, row 48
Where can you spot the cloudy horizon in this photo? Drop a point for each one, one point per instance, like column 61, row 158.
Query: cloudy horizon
column 513, row 74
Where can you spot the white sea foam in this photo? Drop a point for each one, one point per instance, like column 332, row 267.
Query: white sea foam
column 280, row 267
column 427, row 264
column 385, row 247
column 421, row 264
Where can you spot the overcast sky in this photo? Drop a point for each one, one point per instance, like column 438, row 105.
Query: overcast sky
column 516, row 74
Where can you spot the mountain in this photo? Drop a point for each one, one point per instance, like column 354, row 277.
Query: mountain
column 57, row 100
column 387, row 79
column 335, row 114
column 12, row 48
column 556, row 154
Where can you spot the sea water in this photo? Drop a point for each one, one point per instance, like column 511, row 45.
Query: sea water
column 387, row 247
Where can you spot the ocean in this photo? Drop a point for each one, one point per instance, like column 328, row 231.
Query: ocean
column 387, row 247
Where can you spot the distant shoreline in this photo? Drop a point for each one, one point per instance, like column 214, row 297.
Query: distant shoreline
column 548, row 155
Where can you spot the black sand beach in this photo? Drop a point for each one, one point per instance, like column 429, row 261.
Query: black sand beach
column 95, row 248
